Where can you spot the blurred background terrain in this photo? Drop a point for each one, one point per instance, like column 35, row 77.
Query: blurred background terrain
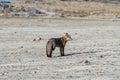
column 60, row 8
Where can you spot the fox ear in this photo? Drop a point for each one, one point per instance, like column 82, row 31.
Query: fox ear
column 66, row 33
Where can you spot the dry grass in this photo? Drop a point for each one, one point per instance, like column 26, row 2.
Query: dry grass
column 83, row 8
column 77, row 9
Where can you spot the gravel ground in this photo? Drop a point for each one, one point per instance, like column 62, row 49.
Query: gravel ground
column 93, row 54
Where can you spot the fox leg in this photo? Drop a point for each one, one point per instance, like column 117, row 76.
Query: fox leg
column 62, row 51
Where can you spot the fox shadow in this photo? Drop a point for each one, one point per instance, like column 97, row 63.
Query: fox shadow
column 87, row 52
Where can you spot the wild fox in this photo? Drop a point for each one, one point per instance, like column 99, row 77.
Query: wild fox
column 57, row 42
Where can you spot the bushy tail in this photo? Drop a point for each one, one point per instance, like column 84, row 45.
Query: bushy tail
column 49, row 49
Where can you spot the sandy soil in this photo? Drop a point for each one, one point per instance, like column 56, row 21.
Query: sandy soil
column 93, row 54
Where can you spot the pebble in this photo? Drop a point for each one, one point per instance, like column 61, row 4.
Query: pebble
column 21, row 46
column 37, row 39
column 87, row 62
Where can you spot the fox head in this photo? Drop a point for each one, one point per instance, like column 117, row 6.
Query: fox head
column 67, row 37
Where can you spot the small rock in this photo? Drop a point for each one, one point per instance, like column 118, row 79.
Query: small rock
column 90, row 56
column 35, row 72
column 34, row 39
column 69, row 76
column 38, row 38
column 87, row 62
column 101, row 56
column 3, row 73
column 76, row 33
column 21, row 46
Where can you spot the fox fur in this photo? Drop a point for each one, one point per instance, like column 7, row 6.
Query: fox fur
column 57, row 42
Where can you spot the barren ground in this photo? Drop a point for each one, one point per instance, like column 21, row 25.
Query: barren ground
column 93, row 54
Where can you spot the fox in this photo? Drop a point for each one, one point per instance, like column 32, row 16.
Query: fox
column 57, row 42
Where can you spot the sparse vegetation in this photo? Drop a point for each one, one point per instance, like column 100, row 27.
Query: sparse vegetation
column 67, row 8
column 82, row 9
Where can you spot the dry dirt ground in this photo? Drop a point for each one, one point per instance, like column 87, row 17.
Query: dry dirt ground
column 93, row 54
